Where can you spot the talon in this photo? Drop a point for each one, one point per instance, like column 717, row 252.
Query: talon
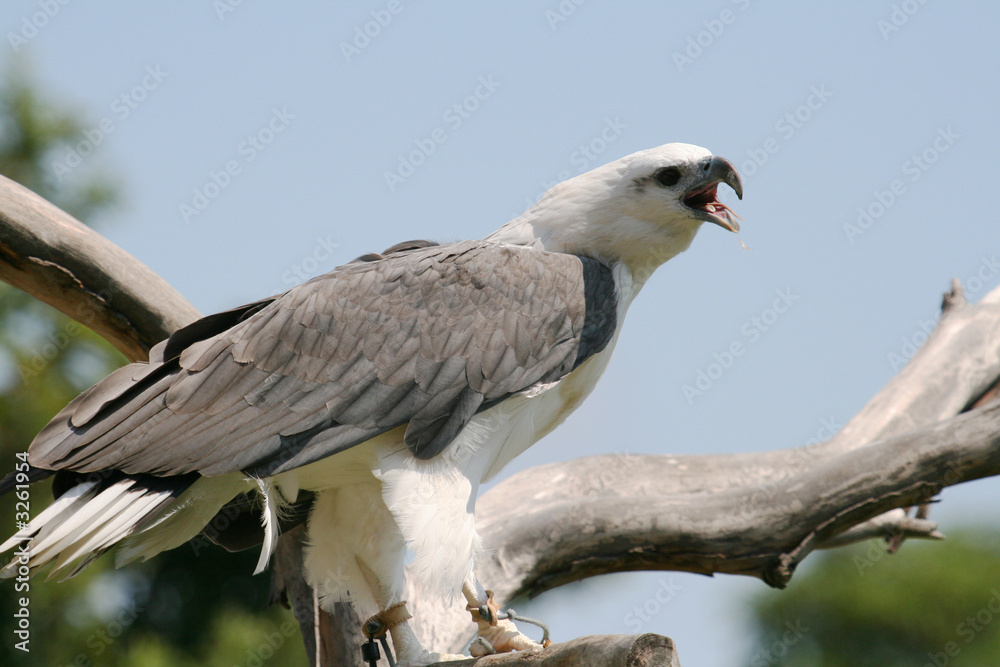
column 504, row 637
column 481, row 646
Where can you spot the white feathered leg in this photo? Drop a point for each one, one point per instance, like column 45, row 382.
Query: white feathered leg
column 433, row 502
column 356, row 553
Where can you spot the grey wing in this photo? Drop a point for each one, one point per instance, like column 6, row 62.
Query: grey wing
column 426, row 337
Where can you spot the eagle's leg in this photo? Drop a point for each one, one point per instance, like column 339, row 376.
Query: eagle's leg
column 495, row 635
column 407, row 647
column 408, row 650
column 356, row 553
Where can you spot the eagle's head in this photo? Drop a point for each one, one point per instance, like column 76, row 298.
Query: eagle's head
column 677, row 184
column 640, row 210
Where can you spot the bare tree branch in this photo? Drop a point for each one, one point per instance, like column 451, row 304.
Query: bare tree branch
column 57, row 259
column 647, row 650
column 891, row 525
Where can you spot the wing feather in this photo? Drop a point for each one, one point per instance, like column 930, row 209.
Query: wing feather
column 423, row 337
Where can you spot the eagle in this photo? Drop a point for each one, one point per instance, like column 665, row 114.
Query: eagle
column 371, row 402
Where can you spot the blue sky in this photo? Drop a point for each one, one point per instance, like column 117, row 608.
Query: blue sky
column 262, row 142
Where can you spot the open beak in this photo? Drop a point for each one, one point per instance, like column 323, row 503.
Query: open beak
column 702, row 198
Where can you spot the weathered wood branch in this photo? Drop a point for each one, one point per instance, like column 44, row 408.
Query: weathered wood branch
column 648, row 650
column 54, row 257
column 756, row 514
column 894, row 524
column 722, row 532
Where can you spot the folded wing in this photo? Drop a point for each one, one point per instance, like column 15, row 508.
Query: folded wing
column 423, row 336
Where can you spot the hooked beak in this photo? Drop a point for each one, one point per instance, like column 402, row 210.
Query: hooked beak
column 701, row 197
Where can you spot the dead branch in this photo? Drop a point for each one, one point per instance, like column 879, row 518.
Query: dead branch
column 57, row 259
column 647, row 650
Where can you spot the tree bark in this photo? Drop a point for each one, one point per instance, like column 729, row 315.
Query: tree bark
column 57, row 259
column 648, row 650
column 756, row 514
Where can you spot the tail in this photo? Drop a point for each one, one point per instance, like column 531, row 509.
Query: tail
column 102, row 509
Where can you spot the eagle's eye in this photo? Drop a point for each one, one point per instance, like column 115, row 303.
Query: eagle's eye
column 667, row 176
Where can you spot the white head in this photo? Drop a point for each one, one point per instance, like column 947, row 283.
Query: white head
column 640, row 210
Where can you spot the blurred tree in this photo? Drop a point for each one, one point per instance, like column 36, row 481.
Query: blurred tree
column 196, row 605
column 932, row 604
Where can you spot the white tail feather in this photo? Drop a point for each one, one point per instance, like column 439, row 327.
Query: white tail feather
column 49, row 542
column 121, row 523
column 88, row 520
column 182, row 519
column 269, row 519
column 48, row 515
column 82, row 523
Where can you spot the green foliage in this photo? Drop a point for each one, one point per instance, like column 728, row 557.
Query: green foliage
column 930, row 604
column 196, row 605
column 33, row 133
